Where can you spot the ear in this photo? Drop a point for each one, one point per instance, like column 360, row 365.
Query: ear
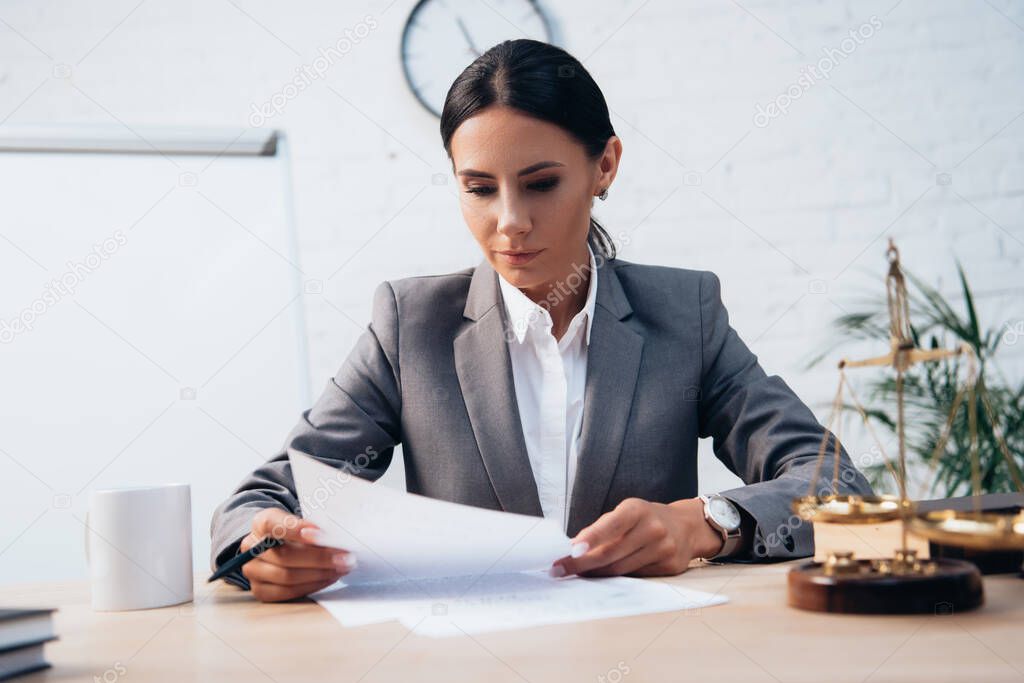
column 608, row 164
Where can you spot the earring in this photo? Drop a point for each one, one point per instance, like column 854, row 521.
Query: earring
column 603, row 195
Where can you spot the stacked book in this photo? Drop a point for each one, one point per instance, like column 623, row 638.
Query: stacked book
column 22, row 635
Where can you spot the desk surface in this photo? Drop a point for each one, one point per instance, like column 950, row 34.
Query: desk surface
column 226, row 635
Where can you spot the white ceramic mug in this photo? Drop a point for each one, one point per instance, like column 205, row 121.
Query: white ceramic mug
column 139, row 547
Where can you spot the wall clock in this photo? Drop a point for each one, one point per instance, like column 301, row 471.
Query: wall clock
column 442, row 37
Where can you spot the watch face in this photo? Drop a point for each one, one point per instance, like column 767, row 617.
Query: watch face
column 724, row 512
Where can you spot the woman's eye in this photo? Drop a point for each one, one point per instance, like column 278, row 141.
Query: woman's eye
column 545, row 185
column 541, row 186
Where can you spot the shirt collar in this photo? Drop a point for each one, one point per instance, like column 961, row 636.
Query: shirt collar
column 523, row 312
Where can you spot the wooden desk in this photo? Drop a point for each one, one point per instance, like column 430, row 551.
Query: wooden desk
column 227, row 636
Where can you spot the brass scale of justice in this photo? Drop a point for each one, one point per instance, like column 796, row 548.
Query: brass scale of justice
column 903, row 583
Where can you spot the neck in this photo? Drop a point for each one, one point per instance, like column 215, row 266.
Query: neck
column 565, row 295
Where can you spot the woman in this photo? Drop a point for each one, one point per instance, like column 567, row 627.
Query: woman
column 552, row 379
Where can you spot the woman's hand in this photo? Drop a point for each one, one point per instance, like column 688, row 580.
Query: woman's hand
column 641, row 538
column 297, row 568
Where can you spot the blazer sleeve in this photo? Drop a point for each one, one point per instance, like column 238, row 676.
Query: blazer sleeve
column 354, row 423
column 764, row 434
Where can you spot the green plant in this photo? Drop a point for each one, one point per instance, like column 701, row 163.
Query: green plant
column 931, row 388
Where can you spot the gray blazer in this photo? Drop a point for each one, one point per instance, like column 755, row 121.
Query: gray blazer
column 432, row 372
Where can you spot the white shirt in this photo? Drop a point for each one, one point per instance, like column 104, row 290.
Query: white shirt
column 550, row 377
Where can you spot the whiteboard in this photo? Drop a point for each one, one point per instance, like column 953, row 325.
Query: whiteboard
column 151, row 326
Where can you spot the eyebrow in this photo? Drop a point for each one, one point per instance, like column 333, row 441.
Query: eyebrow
column 526, row 171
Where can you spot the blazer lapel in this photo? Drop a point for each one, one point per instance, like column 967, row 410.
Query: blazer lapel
column 484, row 368
column 613, row 365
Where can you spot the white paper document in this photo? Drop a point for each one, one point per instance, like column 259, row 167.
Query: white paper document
column 399, row 536
column 469, row 605
column 445, row 569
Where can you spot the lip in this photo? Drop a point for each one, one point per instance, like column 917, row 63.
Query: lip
column 518, row 258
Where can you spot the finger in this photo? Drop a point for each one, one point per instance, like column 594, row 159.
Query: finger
column 264, row 572
column 596, row 545
column 612, row 525
column 308, row 534
column 271, row 592
column 280, row 524
column 608, row 553
column 643, row 556
column 307, row 557
column 311, row 534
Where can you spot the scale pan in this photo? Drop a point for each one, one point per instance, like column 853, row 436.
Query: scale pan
column 850, row 509
column 968, row 529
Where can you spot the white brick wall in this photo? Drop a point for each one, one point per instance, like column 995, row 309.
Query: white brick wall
column 811, row 196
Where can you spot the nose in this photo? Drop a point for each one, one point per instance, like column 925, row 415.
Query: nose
column 514, row 218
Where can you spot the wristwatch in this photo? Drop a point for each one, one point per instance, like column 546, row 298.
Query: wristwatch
column 720, row 513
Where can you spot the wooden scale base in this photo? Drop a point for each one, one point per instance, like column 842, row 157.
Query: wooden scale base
column 901, row 585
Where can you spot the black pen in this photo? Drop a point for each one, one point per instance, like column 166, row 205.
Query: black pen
column 252, row 553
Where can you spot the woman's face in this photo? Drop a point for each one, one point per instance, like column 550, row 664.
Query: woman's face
column 527, row 186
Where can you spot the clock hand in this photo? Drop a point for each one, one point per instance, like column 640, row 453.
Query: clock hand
column 469, row 40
